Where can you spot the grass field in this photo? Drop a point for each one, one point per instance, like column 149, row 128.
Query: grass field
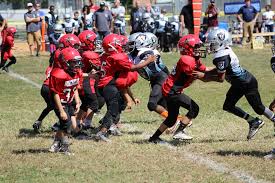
column 218, row 153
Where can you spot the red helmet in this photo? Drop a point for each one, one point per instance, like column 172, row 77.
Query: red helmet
column 92, row 58
column 87, row 39
column 69, row 40
column 11, row 31
column 113, row 43
column 190, row 45
column 70, row 60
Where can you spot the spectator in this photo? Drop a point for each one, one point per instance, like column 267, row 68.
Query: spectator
column 78, row 23
column 187, row 19
column 117, row 9
column 268, row 19
column 212, row 13
column 249, row 17
column 3, row 27
column 40, row 14
column 136, row 17
column 33, row 30
column 102, row 21
column 68, row 24
column 87, row 18
column 93, row 7
column 51, row 19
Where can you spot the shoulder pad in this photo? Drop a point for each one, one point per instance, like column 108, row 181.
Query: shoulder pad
column 59, row 73
column 90, row 55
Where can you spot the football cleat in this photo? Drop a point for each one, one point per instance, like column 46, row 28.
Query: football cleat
column 36, row 126
column 113, row 130
column 64, row 148
column 254, row 127
column 270, row 156
column 55, row 147
column 181, row 135
column 101, row 136
column 6, row 69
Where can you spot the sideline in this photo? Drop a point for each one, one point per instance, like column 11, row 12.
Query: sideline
column 197, row 159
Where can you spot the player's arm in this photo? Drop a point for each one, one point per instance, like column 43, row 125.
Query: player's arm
column 77, row 101
column 148, row 60
column 59, row 106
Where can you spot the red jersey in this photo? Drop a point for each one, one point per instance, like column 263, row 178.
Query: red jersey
column 63, row 84
column 181, row 77
column 112, row 65
column 7, row 44
column 48, row 74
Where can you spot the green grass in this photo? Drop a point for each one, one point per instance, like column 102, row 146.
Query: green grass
column 218, row 135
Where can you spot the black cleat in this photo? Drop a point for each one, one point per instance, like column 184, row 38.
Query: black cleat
column 64, row 148
column 36, row 126
column 5, row 69
column 254, row 127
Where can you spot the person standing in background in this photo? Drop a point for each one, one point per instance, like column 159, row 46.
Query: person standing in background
column 187, row 19
column 87, row 18
column 78, row 23
column 136, row 17
column 33, row 29
column 3, row 27
column 212, row 13
column 40, row 14
column 268, row 16
column 102, row 21
column 93, row 7
column 249, row 17
column 117, row 9
column 51, row 20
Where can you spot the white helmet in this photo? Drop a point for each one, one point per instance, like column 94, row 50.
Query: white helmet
column 58, row 28
column 175, row 18
column 153, row 39
column 131, row 41
column 67, row 17
column 218, row 39
column 138, row 41
column 146, row 16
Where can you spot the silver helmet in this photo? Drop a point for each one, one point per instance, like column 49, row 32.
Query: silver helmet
column 218, row 39
column 58, row 28
column 153, row 39
column 138, row 41
column 131, row 41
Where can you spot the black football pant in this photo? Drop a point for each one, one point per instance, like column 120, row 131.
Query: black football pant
column 45, row 93
column 111, row 96
column 251, row 93
column 174, row 103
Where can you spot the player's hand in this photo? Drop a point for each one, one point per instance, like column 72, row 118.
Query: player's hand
column 77, row 108
column 63, row 115
column 198, row 74
column 272, row 106
column 151, row 58
column 137, row 101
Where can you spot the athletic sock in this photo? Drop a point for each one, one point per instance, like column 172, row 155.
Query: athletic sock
column 269, row 114
column 164, row 114
column 156, row 134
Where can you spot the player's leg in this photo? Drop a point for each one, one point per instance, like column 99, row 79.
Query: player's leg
column 173, row 111
column 110, row 93
column 12, row 61
column 45, row 93
column 193, row 111
column 3, row 60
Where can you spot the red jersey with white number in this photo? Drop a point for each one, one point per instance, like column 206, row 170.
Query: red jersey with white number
column 113, row 65
column 64, row 85
column 181, row 77
column 48, row 74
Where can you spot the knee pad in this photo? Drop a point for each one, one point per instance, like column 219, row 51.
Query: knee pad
column 13, row 60
column 193, row 111
column 152, row 106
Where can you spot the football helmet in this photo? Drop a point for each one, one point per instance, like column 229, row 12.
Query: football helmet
column 113, row 43
column 67, row 18
column 58, row 28
column 93, row 59
column 131, row 41
column 11, row 31
column 191, row 45
column 70, row 60
column 153, row 39
column 146, row 16
column 69, row 40
column 87, row 39
column 218, row 39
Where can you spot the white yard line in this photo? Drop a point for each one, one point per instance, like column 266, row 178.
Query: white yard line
column 201, row 160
